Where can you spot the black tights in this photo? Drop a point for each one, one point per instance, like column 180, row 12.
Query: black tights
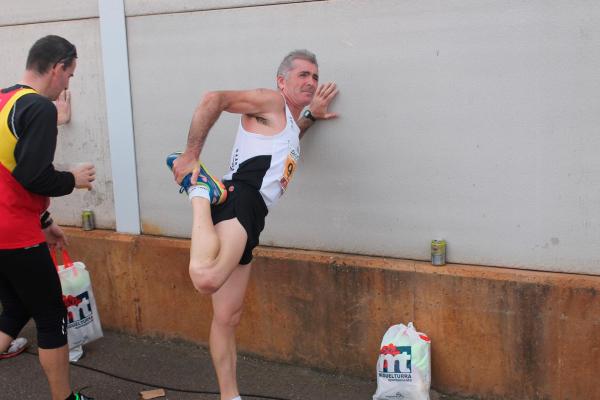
column 30, row 288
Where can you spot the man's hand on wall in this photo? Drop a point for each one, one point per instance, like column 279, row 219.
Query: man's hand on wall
column 63, row 107
column 320, row 103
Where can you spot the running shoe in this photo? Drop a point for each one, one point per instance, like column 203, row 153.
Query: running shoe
column 216, row 189
column 16, row 347
column 80, row 396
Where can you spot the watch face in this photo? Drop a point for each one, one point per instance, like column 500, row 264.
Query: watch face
column 308, row 114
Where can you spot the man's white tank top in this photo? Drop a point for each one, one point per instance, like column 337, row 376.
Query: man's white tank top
column 266, row 163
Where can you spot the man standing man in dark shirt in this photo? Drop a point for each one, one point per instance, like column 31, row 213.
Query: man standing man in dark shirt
column 29, row 284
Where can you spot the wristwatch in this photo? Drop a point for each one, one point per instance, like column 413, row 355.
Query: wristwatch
column 307, row 114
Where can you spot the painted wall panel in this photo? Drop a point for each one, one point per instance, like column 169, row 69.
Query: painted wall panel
column 15, row 12
column 85, row 138
column 470, row 121
column 146, row 7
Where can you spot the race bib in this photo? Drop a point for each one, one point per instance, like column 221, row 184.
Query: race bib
column 289, row 168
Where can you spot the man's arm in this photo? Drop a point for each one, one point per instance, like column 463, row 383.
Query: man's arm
column 207, row 113
column 319, row 106
column 35, row 125
column 34, row 152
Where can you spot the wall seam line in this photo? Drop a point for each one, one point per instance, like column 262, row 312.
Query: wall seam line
column 222, row 8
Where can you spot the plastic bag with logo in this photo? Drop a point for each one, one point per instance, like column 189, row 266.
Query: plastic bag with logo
column 404, row 364
column 83, row 325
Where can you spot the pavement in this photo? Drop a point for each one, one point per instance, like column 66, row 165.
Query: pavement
column 120, row 366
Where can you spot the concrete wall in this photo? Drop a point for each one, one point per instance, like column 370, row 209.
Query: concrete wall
column 474, row 121
column 471, row 121
column 85, row 138
column 496, row 333
column 16, row 12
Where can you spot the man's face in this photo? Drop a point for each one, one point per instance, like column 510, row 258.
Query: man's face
column 60, row 78
column 301, row 82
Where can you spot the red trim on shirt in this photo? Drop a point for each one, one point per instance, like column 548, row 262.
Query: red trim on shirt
column 20, row 212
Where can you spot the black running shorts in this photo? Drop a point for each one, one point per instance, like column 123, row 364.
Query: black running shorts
column 30, row 288
column 246, row 204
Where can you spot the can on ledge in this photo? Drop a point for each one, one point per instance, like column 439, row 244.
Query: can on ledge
column 438, row 252
column 87, row 220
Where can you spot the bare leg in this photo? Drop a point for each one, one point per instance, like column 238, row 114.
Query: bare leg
column 4, row 341
column 216, row 250
column 205, row 242
column 214, row 258
column 55, row 363
column 227, row 309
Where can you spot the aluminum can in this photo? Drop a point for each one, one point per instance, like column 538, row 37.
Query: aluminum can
column 87, row 220
column 438, row 252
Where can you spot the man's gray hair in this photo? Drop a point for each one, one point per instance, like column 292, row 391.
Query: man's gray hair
column 288, row 61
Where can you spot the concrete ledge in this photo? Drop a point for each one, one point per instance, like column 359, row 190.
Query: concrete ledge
column 496, row 332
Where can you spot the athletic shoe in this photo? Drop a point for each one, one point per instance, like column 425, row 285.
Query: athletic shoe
column 16, row 347
column 216, row 189
column 80, row 396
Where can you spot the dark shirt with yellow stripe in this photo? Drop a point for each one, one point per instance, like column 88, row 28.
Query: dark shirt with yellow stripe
column 28, row 136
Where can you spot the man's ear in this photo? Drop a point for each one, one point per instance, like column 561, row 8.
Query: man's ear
column 55, row 68
column 280, row 82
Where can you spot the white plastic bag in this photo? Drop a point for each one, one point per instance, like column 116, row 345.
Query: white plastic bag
column 83, row 325
column 404, row 364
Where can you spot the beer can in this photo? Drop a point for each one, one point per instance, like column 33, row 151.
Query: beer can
column 438, row 252
column 87, row 220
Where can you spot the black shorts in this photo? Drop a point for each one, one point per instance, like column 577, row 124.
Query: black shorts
column 247, row 205
column 30, row 288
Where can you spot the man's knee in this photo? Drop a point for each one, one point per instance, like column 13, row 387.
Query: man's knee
column 204, row 278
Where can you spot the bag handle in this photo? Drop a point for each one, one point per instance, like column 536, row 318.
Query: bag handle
column 67, row 259
column 412, row 332
column 68, row 263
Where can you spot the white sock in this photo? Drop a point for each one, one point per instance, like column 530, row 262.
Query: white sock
column 237, row 398
column 199, row 191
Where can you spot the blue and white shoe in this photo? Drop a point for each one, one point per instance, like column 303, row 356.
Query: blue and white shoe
column 216, row 189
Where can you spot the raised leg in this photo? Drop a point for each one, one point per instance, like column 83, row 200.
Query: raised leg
column 216, row 250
